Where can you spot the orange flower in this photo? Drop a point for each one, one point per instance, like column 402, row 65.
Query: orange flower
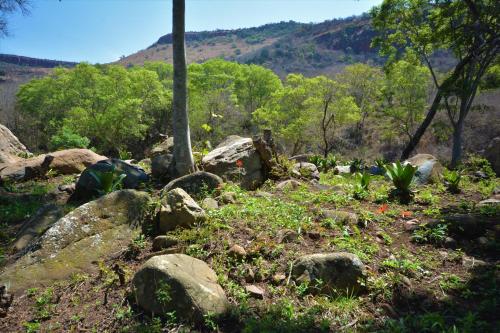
column 239, row 163
column 382, row 209
column 406, row 213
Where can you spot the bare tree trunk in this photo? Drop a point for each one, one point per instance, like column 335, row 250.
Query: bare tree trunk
column 183, row 156
column 456, row 152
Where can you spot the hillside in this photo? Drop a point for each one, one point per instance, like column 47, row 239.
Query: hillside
column 284, row 47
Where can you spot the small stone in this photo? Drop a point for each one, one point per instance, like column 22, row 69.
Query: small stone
column 470, row 262
column 279, row 278
column 209, row 204
column 67, row 188
column 237, row 251
column 249, row 275
column 254, row 291
column 406, row 281
column 489, row 202
column 262, row 194
column 482, row 241
column 287, row 236
column 163, row 242
column 228, row 197
column 289, row 184
column 450, row 243
column 411, row 225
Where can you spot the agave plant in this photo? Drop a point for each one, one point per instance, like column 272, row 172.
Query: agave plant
column 356, row 165
column 452, row 180
column 402, row 178
column 107, row 181
column 361, row 187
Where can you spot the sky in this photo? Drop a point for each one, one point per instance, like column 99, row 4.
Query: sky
column 100, row 31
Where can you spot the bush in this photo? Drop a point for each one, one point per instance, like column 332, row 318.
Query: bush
column 66, row 139
column 402, row 178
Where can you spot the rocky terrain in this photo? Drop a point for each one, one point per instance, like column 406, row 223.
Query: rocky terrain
column 252, row 242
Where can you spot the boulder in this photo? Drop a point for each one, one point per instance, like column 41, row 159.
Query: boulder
column 429, row 169
column 237, row 161
column 163, row 167
column 197, row 184
column 305, row 170
column 69, row 161
column 179, row 210
column 163, row 148
column 341, row 217
column 209, row 203
column 339, row 271
column 340, row 169
column 180, row 283
column 289, row 184
column 162, row 242
column 87, row 187
column 43, row 219
column 10, row 147
column 489, row 202
column 74, row 243
column 492, row 154
column 229, row 140
column 468, row 226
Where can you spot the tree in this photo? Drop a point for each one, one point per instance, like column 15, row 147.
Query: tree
column 288, row 114
column 469, row 28
column 365, row 84
column 183, row 156
column 110, row 105
column 8, row 7
column 406, row 93
column 333, row 108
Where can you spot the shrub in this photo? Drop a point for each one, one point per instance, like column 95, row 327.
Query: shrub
column 356, row 165
column 66, row 139
column 322, row 163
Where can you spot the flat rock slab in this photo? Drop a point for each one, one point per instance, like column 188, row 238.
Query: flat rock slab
column 75, row 242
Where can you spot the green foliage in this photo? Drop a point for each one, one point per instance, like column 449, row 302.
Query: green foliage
column 452, row 180
column 324, row 164
column 430, row 234
column 476, row 163
column 107, row 181
column 401, row 177
column 65, row 138
column 491, row 79
column 361, row 186
column 356, row 165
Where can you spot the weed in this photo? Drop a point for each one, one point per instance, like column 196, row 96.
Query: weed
column 430, row 234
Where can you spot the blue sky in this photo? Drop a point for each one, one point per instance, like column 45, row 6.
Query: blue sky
column 103, row 30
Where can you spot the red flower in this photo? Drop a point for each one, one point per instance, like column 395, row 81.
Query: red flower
column 406, row 213
column 239, row 163
column 382, row 209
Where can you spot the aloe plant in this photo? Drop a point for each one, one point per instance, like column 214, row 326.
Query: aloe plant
column 402, row 178
column 452, row 180
column 107, row 181
column 361, row 187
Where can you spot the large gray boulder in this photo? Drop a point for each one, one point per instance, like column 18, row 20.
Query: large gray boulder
column 492, row 154
column 180, row 283
column 179, row 210
column 74, row 243
column 338, row 271
column 88, row 188
column 10, row 147
column 237, row 161
column 429, row 169
column 197, row 184
column 68, row 161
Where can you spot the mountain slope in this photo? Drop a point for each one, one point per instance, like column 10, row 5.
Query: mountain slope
column 284, row 47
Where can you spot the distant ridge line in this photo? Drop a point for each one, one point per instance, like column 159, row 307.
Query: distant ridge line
column 34, row 62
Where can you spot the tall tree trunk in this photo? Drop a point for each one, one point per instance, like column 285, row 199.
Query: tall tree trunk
column 456, row 152
column 412, row 144
column 183, row 156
